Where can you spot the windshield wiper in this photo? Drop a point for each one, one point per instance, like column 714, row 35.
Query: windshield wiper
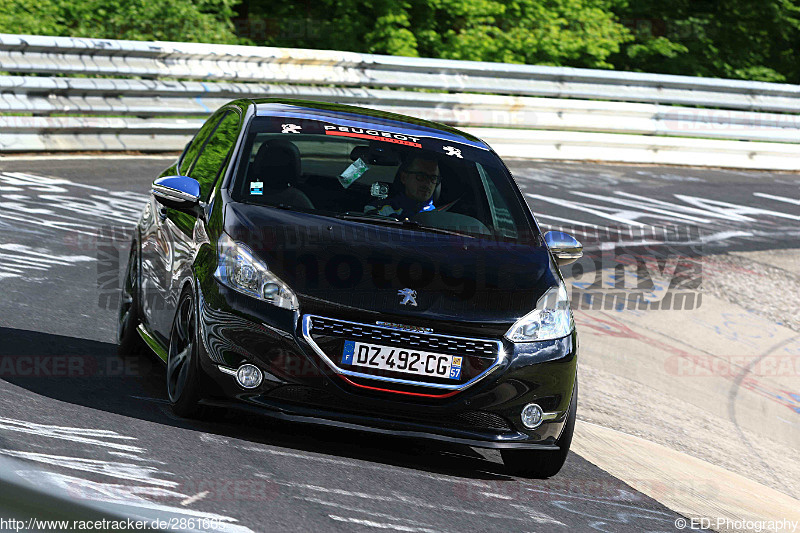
column 443, row 231
column 374, row 219
column 405, row 223
column 350, row 215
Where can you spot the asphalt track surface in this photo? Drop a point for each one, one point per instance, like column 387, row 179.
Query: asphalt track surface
column 100, row 426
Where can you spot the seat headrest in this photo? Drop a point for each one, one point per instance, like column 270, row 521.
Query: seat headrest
column 277, row 164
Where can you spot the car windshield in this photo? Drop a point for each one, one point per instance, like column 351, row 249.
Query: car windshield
column 379, row 176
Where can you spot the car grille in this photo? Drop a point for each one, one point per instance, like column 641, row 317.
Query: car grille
column 475, row 420
column 421, row 341
column 482, row 420
column 302, row 394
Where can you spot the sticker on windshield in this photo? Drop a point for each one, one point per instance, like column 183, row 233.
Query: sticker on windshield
column 290, row 128
column 373, row 135
column 257, row 187
column 353, row 172
column 452, row 151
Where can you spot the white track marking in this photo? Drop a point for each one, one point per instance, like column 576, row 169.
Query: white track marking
column 624, row 514
column 373, row 514
column 128, row 471
column 733, row 211
column 698, row 210
column 646, row 206
column 627, row 217
column 73, row 434
column 84, row 489
column 794, row 201
column 216, row 439
column 574, row 223
column 58, row 211
column 17, row 259
column 130, row 499
column 148, row 399
column 380, row 525
column 135, row 457
column 496, row 496
column 197, row 497
column 362, row 465
column 397, row 498
column 538, row 517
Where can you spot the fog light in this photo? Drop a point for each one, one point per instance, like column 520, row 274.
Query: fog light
column 249, row 376
column 531, row 416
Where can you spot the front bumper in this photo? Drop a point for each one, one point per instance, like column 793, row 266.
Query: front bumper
column 299, row 386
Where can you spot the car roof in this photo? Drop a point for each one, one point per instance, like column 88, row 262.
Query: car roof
column 362, row 117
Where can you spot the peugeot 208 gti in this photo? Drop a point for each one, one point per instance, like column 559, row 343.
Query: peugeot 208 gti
column 348, row 267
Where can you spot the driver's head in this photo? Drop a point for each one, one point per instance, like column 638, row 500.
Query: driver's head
column 420, row 177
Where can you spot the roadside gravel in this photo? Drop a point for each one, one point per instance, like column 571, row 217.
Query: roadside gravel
column 628, row 406
column 767, row 283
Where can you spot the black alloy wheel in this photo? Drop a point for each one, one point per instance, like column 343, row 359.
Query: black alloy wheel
column 183, row 384
column 128, row 340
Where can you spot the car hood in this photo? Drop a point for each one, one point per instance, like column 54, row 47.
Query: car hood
column 388, row 270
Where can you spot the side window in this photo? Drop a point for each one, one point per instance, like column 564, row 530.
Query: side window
column 193, row 148
column 214, row 154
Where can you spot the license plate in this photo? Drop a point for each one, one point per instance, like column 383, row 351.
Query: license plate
column 402, row 360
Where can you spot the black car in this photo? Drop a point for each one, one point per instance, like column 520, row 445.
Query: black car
column 348, row 267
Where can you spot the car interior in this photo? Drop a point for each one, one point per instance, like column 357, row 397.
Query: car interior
column 305, row 173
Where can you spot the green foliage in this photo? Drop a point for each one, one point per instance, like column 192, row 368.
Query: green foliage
column 747, row 39
column 174, row 20
column 555, row 32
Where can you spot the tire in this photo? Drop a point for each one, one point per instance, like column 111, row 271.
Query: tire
column 183, row 372
column 539, row 464
column 128, row 340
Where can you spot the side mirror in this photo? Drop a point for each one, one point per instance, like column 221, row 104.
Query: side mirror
column 566, row 248
column 177, row 192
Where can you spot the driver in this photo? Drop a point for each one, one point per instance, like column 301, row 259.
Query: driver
column 419, row 177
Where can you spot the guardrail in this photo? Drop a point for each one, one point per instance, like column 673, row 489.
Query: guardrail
column 115, row 95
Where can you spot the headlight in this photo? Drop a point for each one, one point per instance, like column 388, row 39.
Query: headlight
column 241, row 271
column 552, row 318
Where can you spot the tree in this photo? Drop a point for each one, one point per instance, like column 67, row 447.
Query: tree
column 174, row 20
column 747, row 39
column 553, row 32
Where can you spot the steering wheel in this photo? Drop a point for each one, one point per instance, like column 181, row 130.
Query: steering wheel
column 447, row 207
